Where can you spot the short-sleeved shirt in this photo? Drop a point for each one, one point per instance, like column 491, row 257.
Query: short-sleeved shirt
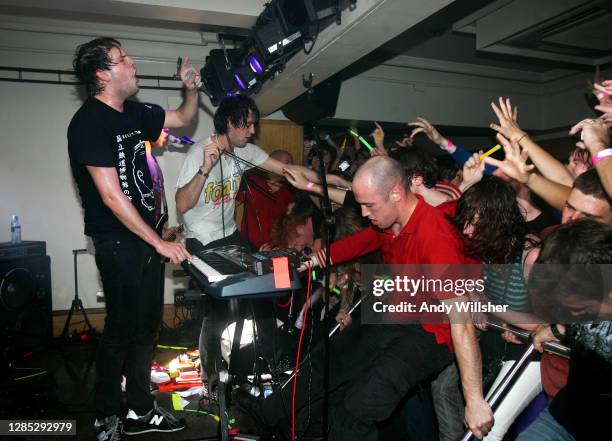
column 101, row 136
column 427, row 238
column 205, row 220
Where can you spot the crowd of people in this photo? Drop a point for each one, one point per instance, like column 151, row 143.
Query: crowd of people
column 394, row 203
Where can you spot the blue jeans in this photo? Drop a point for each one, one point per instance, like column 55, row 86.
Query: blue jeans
column 130, row 271
column 545, row 428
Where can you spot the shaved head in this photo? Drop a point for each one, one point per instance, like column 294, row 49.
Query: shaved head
column 380, row 187
column 381, row 173
column 283, row 156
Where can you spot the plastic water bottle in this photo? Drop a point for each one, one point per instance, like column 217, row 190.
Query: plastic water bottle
column 15, row 229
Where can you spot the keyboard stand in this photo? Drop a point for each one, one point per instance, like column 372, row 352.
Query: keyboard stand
column 227, row 375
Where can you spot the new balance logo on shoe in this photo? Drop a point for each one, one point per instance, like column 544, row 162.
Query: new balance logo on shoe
column 157, row 419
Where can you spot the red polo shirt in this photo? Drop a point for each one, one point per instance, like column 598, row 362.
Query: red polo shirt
column 427, row 238
column 262, row 210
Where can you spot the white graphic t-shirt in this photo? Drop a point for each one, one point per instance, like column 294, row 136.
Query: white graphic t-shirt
column 204, row 221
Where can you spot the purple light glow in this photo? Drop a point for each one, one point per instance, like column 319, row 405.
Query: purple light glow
column 255, row 65
column 239, row 81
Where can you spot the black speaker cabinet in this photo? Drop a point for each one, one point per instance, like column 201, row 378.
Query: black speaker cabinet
column 25, row 302
column 314, row 105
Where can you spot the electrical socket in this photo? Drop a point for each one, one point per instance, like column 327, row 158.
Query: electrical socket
column 179, row 297
column 100, row 296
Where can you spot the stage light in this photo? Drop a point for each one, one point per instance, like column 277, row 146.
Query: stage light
column 255, row 65
column 244, row 77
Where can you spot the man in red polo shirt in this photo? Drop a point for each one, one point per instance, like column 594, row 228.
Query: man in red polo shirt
column 265, row 197
column 379, row 364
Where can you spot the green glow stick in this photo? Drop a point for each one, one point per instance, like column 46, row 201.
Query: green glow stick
column 366, row 143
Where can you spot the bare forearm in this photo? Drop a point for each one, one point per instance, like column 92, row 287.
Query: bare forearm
column 553, row 193
column 547, row 164
column 468, row 358
column 313, row 176
column 187, row 196
column 127, row 214
column 467, row 353
column 604, row 169
column 188, row 109
column 335, row 194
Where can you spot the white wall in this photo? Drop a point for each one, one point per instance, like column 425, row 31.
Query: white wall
column 392, row 92
column 35, row 177
column 399, row 94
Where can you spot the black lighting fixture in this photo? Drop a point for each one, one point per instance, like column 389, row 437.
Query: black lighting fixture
column 282, row 29
column 217, row 74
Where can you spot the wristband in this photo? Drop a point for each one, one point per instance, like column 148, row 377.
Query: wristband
column 309, row 186
column 555, row 331
column 449, row 144
column 601, row 155
column 520, row 139
column 201, row 173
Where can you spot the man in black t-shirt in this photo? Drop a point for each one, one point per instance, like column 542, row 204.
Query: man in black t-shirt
column 108, row 159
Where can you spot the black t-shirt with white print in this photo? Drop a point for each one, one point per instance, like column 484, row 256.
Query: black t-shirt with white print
column 100, row 136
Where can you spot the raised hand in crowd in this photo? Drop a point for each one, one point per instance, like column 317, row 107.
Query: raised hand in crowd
column 508, row 120
column 594, row 135
column 603, row 92
column 406, row 141
column 421, row 125
column 515, row 162
column 473, row 171
column 379, row 137
column 508, row 126
column 515, row 165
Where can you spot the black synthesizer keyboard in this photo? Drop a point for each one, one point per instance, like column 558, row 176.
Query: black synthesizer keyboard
column 232, row 271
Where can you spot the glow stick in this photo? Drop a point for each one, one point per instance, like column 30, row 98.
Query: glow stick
column 490, row 151
column 366, row 143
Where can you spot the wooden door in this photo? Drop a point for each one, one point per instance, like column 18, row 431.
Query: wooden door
column 281, row 135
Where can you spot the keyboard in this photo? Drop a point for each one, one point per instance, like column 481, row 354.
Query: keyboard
column 232, row 271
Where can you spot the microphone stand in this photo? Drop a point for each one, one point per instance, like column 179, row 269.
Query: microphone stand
column 329, row 221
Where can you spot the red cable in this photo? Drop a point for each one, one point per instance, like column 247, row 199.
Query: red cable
column 284, row 305
column 297, row 359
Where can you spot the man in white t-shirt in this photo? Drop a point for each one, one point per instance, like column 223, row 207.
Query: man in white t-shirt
column 208, row 172
column 207, row 187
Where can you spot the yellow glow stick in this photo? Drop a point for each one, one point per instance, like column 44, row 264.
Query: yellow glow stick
column 490, row 151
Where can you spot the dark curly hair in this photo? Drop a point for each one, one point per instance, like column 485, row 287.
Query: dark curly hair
column 417, row 162
column 234, row 109
column 499, row 226
column 91, row 57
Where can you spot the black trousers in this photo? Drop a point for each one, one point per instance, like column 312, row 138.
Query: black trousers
column 130, row 271
column 372, row 367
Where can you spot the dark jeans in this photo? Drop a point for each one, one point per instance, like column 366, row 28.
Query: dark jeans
column 373, row 367
column 217, row 313
column 130, row 271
